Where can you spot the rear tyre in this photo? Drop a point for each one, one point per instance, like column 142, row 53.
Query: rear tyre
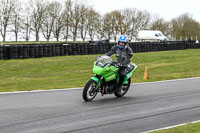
column 123, row 90
column 89, row 91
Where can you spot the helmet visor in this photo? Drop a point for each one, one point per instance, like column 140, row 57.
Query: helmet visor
column 122, row 43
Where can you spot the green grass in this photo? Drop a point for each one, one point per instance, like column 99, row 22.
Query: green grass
column 189, row 128
column 75, row 71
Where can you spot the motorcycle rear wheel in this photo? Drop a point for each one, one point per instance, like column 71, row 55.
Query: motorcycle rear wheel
column 89, row 92
column 123, row 90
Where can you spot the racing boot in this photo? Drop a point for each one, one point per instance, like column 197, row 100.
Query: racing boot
column 120, row 84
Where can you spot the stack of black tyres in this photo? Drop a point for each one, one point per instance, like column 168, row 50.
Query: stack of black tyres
column 81, row 49
column 13, row 51
column 74, row 49
column 25, row 51
column 53, row 52
column 5, row 52
column 1, row 52
column 57, row 50
column 20, row 52
column 49, row 51
column 31, row 51
column 40, row 51
column 89, row 49
column 70, row 49
column 62, row 50
column 36, row 51
column 86, row 48
column 44, row 50
column 66, row 49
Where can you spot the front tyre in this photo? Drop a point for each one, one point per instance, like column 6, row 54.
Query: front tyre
column 89, row 91
column 123, row 90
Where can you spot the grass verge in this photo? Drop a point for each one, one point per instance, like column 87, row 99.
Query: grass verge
column 75, row 71
column 188, row 128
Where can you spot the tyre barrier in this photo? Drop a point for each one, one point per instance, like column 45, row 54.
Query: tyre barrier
column 51, row 50
column 1, row 53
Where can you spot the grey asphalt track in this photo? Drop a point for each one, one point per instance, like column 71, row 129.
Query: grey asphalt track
column 145, row 107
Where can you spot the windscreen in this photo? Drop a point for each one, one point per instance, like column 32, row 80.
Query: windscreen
column 160, row 34
column 102, row 61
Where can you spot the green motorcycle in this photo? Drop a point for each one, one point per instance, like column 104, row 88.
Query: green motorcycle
column 107, row 78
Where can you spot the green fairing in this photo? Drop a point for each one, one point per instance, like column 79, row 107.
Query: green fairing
column 95, row 79
column 111, row 72
column 130, row 74
column 108, row 72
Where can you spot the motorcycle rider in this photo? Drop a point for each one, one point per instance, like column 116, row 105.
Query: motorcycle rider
column 124, row 54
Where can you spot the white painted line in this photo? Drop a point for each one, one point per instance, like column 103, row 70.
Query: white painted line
column 172, row 126
column 68, row 89
column 34, row 91
column 164, row 81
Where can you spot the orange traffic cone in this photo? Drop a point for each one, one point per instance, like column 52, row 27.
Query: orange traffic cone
column 146, row 73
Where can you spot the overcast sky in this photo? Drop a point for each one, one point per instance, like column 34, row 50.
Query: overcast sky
column 166, row 9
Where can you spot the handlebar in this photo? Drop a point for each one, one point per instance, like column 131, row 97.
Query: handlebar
column 116, row 64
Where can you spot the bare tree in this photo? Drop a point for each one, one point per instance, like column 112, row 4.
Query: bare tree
column 129, row 18
column 16, row 20
column 142, row 21
column 84, row 24
column 67, row 19
column 6, row 11
column 52, row 12
column 26, row 22
column 93, row 22
column 162, row 25
column 78, row 10
column 16, row 23
column 59, row 23
column 184, row 27
column 58, row 26
column 99, row 28
column 135, row 20
column 118, row 26
column 89, row 22
column 157, row 24
column 38, row 12
column 107, row 26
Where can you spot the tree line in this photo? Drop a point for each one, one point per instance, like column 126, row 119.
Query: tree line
column 72, row 20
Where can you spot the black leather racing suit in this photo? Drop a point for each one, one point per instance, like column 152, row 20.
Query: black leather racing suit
column 124, row 57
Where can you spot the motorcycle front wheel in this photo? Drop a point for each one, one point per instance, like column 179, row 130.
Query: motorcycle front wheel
column 89, row 91
column 123, row 90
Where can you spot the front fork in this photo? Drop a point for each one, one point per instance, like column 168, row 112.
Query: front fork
column 100, row 83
